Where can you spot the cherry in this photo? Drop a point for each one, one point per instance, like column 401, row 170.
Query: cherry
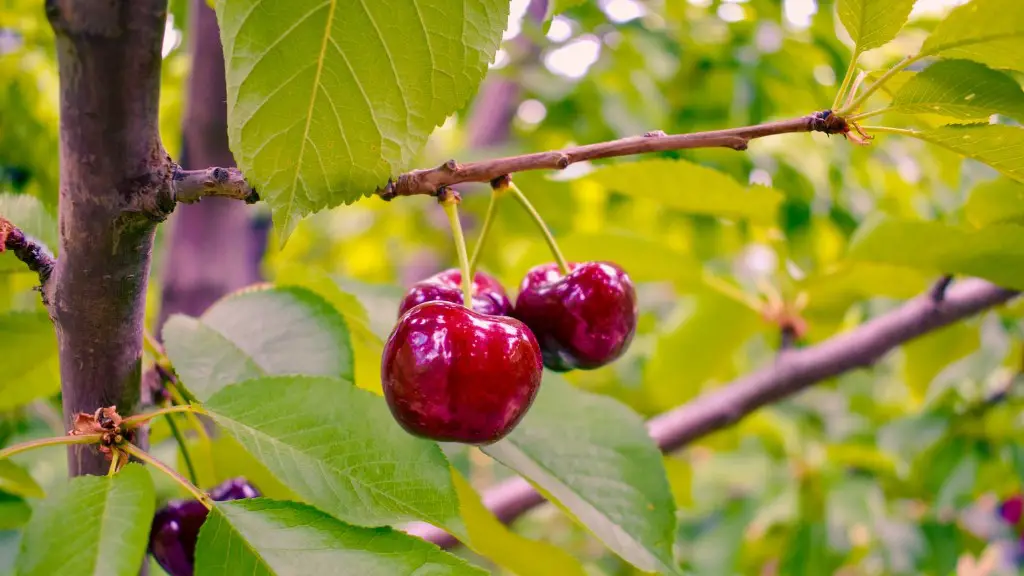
column 584, row 319
column 1012, row 509
column 172, row 539
column 488, row 295
column 454, row 375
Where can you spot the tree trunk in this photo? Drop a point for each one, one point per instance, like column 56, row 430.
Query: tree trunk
column 114, row 188
column 214, row 246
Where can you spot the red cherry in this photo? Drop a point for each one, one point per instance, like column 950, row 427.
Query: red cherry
column 454, row 375
column 1012, row 509
column 488, row 295
column 584, row 319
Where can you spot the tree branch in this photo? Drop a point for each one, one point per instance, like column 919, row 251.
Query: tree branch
column 790, row 373
column 36, row 256
column 450, row 173
column 191, row 186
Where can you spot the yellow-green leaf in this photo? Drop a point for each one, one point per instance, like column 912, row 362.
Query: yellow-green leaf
column 1000, row 200
column 986, row 31
column 15, row 480
column 924, row 358
column 873, row 23
column 999, row 146
column 960, row 89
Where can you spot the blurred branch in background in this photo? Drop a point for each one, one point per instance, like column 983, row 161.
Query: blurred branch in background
column 215, row 247
column 792, row 372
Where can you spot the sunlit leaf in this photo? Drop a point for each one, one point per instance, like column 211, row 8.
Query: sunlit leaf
column 338, row 448
column 998, row 201
column 29, row 368
column 995, row 253
column 94, row 522
column 961, row 89
column 925, row 357
column 268, row 537
column 873, row 23
column 15, row 480
column 986, row 31
column 692, row 188
column 222, row 458
column 597, row 462
column 490, row 538
column 327, row 99
column 999, row 146
column 261, row 332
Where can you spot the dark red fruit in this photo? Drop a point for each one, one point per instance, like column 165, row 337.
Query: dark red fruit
column 1012, row 509
column 584, row 319
column 172, row 539
column 488, row 295
column 454, row 375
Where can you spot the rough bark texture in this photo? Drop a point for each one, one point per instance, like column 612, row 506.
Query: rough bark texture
column 214, row 247
column 114, row 188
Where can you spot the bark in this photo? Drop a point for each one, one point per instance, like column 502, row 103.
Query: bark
column 214, row 246
column 114, row 189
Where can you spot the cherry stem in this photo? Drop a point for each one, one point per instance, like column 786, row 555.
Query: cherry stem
column 183, row 447
column 731, row 291
column 115, row 456
column 492, row 208
column 548, row 237
column 140, row 419
column 450, row 203
column 55, row 441
column 850, row 70
column 857, row 101
column 142, row 455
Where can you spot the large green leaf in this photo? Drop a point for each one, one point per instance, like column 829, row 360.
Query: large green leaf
column 1000, row 200
column 328, row 98
column 14, row 511
column 995, row 253
column 268, row 537
column 95, row 525
column 960, row 89
column 999, row 146
column 925, row 357
column 693, row 188
column 873, row 23
column 261, row 332
column 15, row 480
column 339, row 448
column 986, row 31
column 29, row 369
column 28, row 214
column 593, row 457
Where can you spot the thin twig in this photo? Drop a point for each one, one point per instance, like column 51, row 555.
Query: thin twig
column 193, row 185
column 140, row 419
column 938, row 291
column 789, row 374
column 142, row 455
column 34, row 254
column 429, row 181
column 55, row 441
column 183, row 446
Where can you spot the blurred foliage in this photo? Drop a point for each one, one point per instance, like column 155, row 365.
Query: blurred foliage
column 897, row 469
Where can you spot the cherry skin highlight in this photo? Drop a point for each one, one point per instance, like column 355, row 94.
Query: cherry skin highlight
column 454, row 375
column 488, row 295
column 175, row 530
column 584, row 319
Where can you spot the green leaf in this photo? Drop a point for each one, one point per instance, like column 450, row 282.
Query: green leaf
column 14, row 512
column 27, row 213
column 339, row 448
column 556, row 7
column 260, row 332
column 97, row 523
column 222, row 458
column 492, row 539
column 593, row 457
column 995, row 253
column 960, row 89
column 15, row 480
column 998, row 201
column 999, row 146
column 927, row 356
column 29, row 369
column 691, row 188
column 873, row 23
column 326, row 99
column 268, row 537
column 986, row 31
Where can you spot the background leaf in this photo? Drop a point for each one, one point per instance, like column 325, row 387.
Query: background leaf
column 267, row 537
column 327, row 99
column 339, row 448
column 99, row 524
column 261, row 332
column 28, row 214
column 995, row 253
column 14, row 511
column 873, row 23
column 997, row 201
column 999, row 146
column 29, row 369
column 986, row 31
column 925, row 357
column 960, row 89
column 597, row 462
column 691, row 188
column 15, row 480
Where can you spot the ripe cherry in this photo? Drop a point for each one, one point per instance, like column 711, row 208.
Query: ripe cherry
column 172, row 539
column 488, row 295
column 454, row 375
column 1012, row 509
column 584, row 319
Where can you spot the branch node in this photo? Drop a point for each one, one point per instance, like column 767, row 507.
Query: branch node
column 938, row 290
column 501, row 182
column 655, row 134
column 563, row 162
column 34, row 254
column 828, row 122
column 450, row 166
column 190, row 186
